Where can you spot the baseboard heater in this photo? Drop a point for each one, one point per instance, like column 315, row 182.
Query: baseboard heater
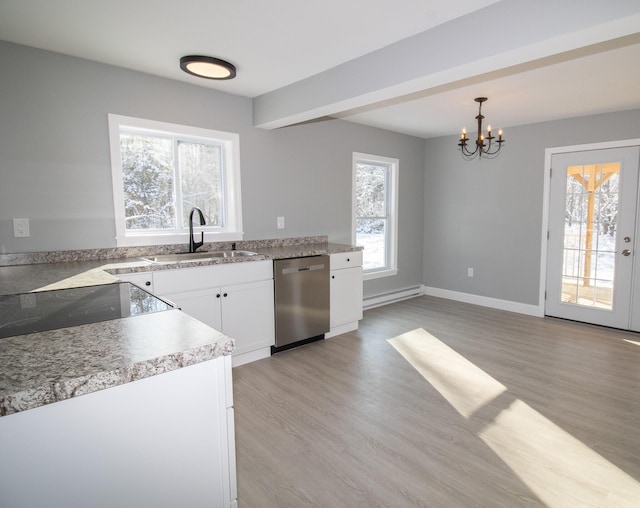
column 398, row 295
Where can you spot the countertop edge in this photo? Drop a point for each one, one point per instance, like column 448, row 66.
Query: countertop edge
column 77, row 379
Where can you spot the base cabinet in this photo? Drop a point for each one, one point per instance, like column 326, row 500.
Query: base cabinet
column 236, row 298
column 127, row 446
column 241, row 311
column 345, row 292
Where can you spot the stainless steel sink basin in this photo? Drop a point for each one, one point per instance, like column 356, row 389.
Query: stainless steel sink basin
column 183, row 257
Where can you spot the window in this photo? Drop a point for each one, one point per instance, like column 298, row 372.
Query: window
column 375, row 213
column 161, row 171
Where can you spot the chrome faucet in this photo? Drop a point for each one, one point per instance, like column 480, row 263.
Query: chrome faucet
column 193, row 245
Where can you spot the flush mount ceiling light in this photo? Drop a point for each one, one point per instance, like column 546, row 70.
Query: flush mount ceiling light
column 485, row 146
column 207, row 67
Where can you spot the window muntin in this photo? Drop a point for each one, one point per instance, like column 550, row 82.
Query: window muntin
column 375, row 212
column 161, row 171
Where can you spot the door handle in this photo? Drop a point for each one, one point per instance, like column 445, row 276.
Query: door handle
column 626, row 252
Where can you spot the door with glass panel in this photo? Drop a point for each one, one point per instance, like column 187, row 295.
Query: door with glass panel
column 592, row 237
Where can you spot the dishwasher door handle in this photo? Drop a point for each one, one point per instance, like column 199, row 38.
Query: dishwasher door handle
column 308, row 268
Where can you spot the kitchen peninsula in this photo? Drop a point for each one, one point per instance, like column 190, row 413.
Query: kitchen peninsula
column 142, row 402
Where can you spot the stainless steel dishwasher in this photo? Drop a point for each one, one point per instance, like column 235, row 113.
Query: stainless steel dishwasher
column 301, row 300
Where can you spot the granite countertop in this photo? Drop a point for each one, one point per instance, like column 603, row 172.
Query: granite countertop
column 67, row 271
column 45, row 367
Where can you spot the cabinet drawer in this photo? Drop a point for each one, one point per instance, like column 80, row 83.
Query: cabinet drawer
column 142, row 279
column 346, row 260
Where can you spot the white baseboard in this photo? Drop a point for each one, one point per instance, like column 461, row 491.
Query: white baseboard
column 251, row 356
column 372, row 301
column 484, row 301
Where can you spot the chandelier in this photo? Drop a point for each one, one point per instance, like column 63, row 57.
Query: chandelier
column 485, row 146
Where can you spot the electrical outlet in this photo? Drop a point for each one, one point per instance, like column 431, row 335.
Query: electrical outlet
column 469, row 272
column 280, row 222
column 21, row 228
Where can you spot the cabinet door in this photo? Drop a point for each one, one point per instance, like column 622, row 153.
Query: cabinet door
column 204, row 305
column 346, row 296
column 247, row 315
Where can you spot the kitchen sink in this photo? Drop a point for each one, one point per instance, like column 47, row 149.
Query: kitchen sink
column 183, row 257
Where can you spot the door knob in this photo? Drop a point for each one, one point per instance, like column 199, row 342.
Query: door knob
column 626, row 252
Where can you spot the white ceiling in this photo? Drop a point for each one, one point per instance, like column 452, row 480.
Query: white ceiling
column 280, row 45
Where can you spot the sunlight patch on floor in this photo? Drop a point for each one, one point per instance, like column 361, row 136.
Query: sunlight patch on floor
column 558, row 468
column 637, row 343
column 464, row 385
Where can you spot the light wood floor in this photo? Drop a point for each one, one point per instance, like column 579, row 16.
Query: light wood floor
column 349, row 422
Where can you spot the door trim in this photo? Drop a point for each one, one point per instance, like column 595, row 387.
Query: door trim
column 549, row 153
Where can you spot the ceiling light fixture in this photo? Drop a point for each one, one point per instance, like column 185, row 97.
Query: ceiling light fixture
column 483, row 143
column 207, row 67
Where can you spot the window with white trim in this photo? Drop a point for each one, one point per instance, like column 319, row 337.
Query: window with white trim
column 160, row 171
column 375, row 213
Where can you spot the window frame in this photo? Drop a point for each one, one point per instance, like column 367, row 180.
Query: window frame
column 391, row 205
column 232, row 229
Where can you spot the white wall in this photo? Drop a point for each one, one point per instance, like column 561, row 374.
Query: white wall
column 55, row 167
column 488, row 214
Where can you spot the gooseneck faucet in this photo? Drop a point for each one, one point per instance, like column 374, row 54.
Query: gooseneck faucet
column 193, row 245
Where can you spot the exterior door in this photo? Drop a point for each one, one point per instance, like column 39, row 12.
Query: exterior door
column 592, row 237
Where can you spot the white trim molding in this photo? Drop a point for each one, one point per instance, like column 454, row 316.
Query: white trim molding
column 485, row 301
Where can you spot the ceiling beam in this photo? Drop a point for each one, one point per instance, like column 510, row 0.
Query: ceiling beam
column 502, row 35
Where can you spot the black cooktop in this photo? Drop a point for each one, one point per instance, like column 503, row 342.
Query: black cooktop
column 49, row 310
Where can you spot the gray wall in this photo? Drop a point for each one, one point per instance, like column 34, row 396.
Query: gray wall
column 488, row 214
column 55, row 166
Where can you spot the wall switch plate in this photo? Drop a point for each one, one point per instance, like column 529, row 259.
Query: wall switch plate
column 280, row 222
column 469, row 272
column 21, row 228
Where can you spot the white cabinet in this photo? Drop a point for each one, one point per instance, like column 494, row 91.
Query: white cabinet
column 345, row 291
column 162, row 441
column 235, row 298
column 248, row 316
column 141, row 279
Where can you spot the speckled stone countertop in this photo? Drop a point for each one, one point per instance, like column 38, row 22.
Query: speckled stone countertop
column 45, row 367
column 79, row 268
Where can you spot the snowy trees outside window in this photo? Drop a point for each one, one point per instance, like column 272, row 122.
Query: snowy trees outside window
column 164, row 178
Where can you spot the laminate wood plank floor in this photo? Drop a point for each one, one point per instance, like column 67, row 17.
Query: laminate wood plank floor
column 465, row 407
